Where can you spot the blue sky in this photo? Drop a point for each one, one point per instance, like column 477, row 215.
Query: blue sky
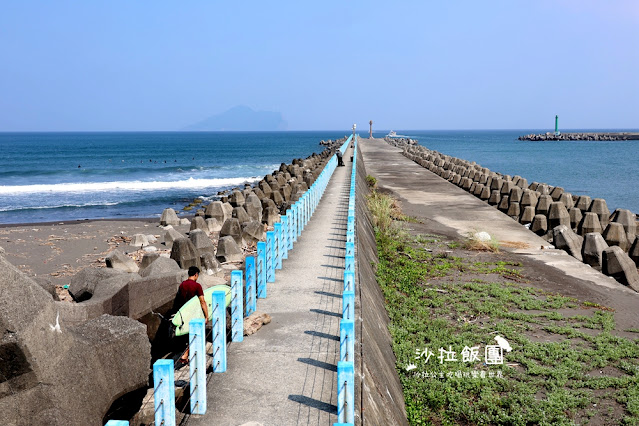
column 143, row 65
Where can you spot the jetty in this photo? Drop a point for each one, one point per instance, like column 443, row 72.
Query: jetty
column 581, row 136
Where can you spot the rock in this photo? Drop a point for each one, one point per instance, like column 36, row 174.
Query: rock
column 539, row 225
column 161, row 265
column 120, row 261
column 236, row 199
column 57, row 372
column 633, row 252
column 617, row 264
column 515, row 195
column 514, row 211
column 565, row 239
column 253, row 232
column 543, row 204
column 627, row 219
column 589, row 223
column 198, row 222
column 255, row 321
column 213, row 225
column 228, row 250
column 139, row 240
column 231, row 227
column 147, row 259
column 528, row 198
column 495, row 197
column 169, row 217
column 600, row 207
column 583, row 203
column 558, row 215
column 527, row 215
column 210, row 263
column 216, row 211
column 184, row 253
column 170, row 236
column 253, row 207
column 615, row 235
column 591, row 252
column 556, row 193
column 575, row 217
column 271, row 216
column 240, row 214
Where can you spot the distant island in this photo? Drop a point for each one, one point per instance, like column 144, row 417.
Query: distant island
column 581, row 136
column 240, row 118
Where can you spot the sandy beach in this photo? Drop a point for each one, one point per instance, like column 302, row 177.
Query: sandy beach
column 55, row 252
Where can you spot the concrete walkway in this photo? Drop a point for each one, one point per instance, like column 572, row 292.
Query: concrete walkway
column 286, row 373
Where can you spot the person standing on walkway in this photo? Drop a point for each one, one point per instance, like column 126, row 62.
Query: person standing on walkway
column 189, row 289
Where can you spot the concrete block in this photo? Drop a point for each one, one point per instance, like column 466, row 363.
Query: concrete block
column 228, row 250
column 169, row 217
column 565, row 239
column 539, row 224
column 558, row 215
column 615, row 235
column 600, row 207
column 120, row 261
column 591, row 252
column 617, row 264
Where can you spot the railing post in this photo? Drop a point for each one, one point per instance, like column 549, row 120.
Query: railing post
column 347, row 340
column 349, row 281
column 289, row 229
column 296, row 219
column 218, row 305
column 345, row 392
column 164, row 392
column 349, row 263
column 270, row 257
column 197, row 365
column 117, row 423
column 348, row 305
column 284, row 239
column 350, row 249
column 278, row 245
column 252, row 266
column 237, row 303
column 261, row 275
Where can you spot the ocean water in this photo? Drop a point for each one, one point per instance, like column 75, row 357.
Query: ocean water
column 50, row 177
column 608, row 170
column 68, row 176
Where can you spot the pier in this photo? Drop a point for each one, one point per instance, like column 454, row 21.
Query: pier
column 581, row 136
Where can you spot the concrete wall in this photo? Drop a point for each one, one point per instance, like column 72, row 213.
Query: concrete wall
column 378, row 393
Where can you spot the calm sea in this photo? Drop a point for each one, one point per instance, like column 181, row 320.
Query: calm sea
column 66, row 176
column 607, row 170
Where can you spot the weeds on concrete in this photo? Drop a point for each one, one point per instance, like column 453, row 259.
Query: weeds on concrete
column 567, row 364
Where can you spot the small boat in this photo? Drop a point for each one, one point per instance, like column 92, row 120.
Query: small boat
column 392, row 134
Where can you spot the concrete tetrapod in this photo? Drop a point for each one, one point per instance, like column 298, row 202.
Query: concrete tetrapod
column 600, row 207
column 591, row 252
column 558, row 215
column 615, row 235
column 617, row 264
column 589, row 223
column 565, row 239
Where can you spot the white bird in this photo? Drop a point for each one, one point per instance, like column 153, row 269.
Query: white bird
column 56, row 327
column 503, row 343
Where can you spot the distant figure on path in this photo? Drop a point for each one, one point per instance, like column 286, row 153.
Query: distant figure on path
column 187, row 290
column 340, row 162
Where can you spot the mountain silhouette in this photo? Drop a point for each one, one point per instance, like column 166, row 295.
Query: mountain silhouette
column 241, row 117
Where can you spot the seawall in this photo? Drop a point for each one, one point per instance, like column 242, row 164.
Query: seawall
column 381, row 400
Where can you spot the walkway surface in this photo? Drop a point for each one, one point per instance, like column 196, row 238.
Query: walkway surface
column 286, row 373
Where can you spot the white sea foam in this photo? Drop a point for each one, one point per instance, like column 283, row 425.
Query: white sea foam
column 122, row 186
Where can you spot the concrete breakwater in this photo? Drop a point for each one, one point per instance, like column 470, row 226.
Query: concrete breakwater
column 581, row 136
column 71, row 361
column 581, row 226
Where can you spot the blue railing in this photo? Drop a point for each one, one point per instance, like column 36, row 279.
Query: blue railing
column 259, row 271
column 346, row 364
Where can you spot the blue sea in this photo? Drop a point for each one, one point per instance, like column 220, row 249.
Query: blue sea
column 47, row 177
column 607, row 170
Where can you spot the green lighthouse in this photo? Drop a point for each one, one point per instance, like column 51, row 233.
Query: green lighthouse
column 557, row 132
